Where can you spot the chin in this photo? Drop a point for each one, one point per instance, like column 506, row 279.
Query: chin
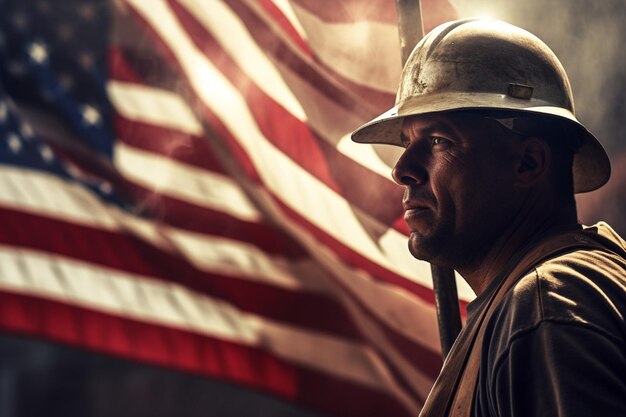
column 420, row 247
column 429, row 249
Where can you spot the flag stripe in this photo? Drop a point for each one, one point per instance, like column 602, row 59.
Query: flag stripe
column 300, row 186
column 175, row 144
column 190, row 352
column 175, row 306
column 300, row 142
column 356, row 182
column 65, row 199
column 282, row 13
column 254, row 152
column 372, row 306
column 364, row 58
column 282, row 303
column 360, row 96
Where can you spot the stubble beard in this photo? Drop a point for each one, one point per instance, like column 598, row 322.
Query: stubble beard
column 437, row 246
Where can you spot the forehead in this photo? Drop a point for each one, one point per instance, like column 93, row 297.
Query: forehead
column 448, row 123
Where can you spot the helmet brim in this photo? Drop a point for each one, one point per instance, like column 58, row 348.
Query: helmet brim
column 591, row 167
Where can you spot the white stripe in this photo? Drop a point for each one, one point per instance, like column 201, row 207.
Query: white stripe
column 358, row 51
column 185, row 182
column 151, row 105
column 234, row 37
column 165, row 303
column 365, row 155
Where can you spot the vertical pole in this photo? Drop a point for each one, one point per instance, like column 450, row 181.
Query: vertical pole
column 410, row 30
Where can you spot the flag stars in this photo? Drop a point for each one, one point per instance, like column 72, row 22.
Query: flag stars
column 46, row 153
column 87, row 11
column 91, row 116
column 15, row 144
column 65, row 32
column 19, row 21
column 72, row 171
column 38, row 52
column 26, row 131
column 86, row 60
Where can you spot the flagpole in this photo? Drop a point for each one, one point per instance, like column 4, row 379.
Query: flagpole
column 410, row 30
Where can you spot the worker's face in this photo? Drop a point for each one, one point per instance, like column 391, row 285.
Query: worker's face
column 458, row 187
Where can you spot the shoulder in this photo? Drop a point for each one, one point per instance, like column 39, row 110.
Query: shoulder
column 584, row 288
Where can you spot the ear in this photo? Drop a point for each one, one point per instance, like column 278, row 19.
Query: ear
column 533, row 165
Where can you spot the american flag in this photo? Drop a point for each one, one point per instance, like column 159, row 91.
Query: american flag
column 179, row 194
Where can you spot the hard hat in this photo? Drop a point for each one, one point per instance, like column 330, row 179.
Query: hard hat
column 492, row 65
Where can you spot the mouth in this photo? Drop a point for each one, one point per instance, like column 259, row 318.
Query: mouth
column 414, row 214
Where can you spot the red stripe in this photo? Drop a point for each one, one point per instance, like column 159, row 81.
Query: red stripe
column 119, row 66
column 278, row 16
column 189, row 352
column 172, row 143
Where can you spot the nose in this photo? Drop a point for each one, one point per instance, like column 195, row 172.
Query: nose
column 409, row 170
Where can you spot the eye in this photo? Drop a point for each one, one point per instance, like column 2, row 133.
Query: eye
column 438, row 141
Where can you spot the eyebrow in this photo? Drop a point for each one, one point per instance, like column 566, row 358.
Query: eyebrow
column 428, row 130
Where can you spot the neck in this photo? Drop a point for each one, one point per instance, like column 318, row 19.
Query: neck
column 527, row 226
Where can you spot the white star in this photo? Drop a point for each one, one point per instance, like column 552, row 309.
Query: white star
column 26, row 130
column 87, row 11
column 91, row 116
column 46, row 153
column 65, row 32
column 73, row 171
column 14, row 143
column 86, row 60
column 106, row 187
column 4, row 111
column 38, row 52
column 20, row 21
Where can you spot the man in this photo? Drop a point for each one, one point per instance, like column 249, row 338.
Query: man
column 493, row 156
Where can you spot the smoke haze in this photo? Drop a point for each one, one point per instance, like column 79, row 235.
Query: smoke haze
column 588, row 37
